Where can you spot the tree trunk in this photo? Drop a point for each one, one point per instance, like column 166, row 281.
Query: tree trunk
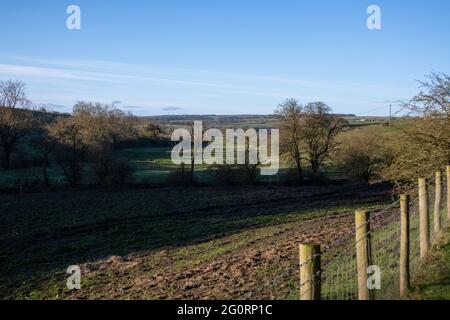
column 183, row 173
column 191, row 174
column 71, row 172
column 45, row 176
column 315, row 170
column 74, row 175
column 298, row 163
column 45, row 173
column 6, row 158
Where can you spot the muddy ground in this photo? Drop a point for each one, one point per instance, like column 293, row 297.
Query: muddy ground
column 172, row 243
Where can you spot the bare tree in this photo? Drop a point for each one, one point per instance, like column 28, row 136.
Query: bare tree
column 250, row 169
column 421, row 144
column 192, row 156
column 92, row 132
column 317, row 133
column 361, row 152
column 15, row 117
column 45, row 145
column 152, row 130
column 70, row 148
column 291, row 113
column 433, row 100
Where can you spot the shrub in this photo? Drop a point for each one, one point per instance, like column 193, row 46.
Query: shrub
column 27, row 183
column 18, row 161
column 361, row 153
column 224, row 175
column 234, row 174
column 180, row 177
column 121, row 172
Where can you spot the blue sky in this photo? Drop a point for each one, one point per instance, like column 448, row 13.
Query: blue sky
column 223, row 56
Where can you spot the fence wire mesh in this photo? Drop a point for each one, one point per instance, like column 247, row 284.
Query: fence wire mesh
column 339, row 271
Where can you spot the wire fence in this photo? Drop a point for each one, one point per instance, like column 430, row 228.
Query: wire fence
column 337, row 278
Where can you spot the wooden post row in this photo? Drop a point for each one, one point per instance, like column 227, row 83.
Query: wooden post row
column 310, row 272
column 448, row 192
column 362, row 225
column 404, row 245
column 437, row 203
column 424, row 218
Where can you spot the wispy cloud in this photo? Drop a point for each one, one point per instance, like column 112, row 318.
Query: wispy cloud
column 31, row 71
column 171, row 108
column 156, row 86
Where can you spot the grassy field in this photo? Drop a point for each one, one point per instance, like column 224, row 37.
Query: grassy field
column 432, row 282
column 170, row 242
column 162, row 242
column 152, row 164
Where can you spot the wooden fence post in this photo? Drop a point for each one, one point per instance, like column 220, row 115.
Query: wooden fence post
column 438, row 203
column 404, row 245
column 424, row 218
column 448, row 192
column 310, row 272
column 362, row 225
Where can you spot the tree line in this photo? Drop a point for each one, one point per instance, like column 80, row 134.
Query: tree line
column 417, row 144
column 308, row 134
column 311, row 138
column 90, row 134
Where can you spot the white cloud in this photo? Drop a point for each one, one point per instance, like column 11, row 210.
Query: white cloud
column 158, row 87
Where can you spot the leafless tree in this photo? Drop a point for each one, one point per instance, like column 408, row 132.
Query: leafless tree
column 291, row 113
column 317, row 134
column 70, row 147
column 45, row 145
column 16, row 118
column 91, row 132
column 433, row 100
column 361, row 152
column 421, row 144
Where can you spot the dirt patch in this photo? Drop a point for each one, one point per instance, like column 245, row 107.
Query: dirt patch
column 260, row 270
column 232, row 244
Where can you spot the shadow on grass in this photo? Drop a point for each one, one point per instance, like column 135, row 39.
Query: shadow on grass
column 42, row 234
column 432, row 281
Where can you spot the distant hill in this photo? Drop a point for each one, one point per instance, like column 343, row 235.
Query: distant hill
column 50, row 116
column 221, row 118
